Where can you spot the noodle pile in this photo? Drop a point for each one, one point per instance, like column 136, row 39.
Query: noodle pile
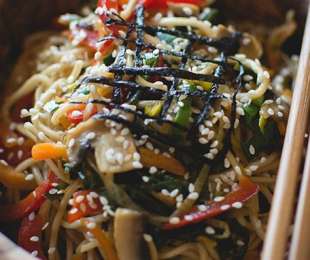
column 139, row 117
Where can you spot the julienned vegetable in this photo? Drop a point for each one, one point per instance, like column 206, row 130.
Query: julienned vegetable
column 30, row 203
column 84, row 203
column 44, row 151
column 13, row 179
column 170, row 164
column 29, row 235
column 247, row 189
column 102, row 238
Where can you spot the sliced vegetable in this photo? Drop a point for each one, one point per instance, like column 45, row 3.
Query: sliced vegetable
column 13, row 179
column 76, row 115
column 154, row 109
column 184, row 113
column 30, row 203
column 85, row 203
column 46, row 151
column 170, row 164
column 150, row 59
column 128, row 229
column 102, row 239
column 247, row 189
column 29, row 235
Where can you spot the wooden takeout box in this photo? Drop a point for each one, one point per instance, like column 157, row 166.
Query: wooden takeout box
column 18, row 18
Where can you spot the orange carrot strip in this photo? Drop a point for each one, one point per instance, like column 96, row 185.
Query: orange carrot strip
column 46, row 151
column 170, row 164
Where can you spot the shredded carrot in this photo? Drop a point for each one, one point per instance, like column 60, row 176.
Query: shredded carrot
column 103, row 240
column 46, row 151
column 170, row 164
column 13, row 179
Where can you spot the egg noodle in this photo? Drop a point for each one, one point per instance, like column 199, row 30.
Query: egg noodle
column 153, row 132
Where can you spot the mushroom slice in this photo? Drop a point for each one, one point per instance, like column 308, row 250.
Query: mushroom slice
column 128, row 232
column 113, row 150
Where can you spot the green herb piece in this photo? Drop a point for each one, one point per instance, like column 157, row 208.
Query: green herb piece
column 150, row 59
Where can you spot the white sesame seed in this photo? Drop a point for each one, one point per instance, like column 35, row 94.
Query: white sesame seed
column 76, row 113
column 248, row 77
column 266, row 74
column 179, row 198
column 174, row 220
column 145, row 178
column 218, row 198
column 137, row 164
column 226, row 163
column 236, row 123
column 45, row 226
column 188, row 217
column 238, row 170
column 237, row 205
column 263, row 159
column 174, row 193
column 202, row 207
column 214, row 151
column 191, row 187
column 90, row 136
column 20, row 154
column 193, row 196
column 280, row 114
column 35, row 253
column 147, row 238
column 29, row 177
column 210, row 230
column 136, row 156
column 240, row 111
column 125, row 131
column 149, row 146
column 91, row 225
column 31, row 216
column 52, row 191
column 153, row 170
column 251, row 149
column 211, row 134
column 209, row 156
column 225, row 207
column 253, row 168
column 240, row 243
column 71, row 143
column 165, row 192
column 119, row 158
column 270, row 111
column 34, row 238
column 126, row 144
column 214, row 144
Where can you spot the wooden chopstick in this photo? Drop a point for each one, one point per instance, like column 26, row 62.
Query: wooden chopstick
column 301, row 234
column 275, row 244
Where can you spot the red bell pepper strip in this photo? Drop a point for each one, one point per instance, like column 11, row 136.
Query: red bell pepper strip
column 76, row 115
column 84, row 204
column 29, row 232
column 247, row 189
column 30, row 203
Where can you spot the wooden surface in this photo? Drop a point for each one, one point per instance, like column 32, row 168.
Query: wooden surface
column 285, row 191
column 300, row 248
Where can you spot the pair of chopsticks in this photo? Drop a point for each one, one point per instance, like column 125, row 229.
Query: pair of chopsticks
column 276, row 241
